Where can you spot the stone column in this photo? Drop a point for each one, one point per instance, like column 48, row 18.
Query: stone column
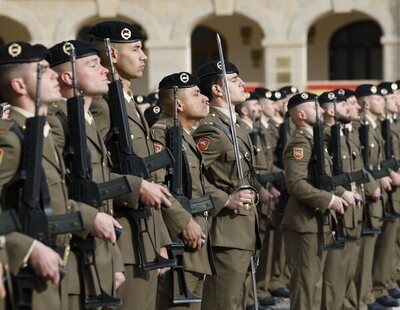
column 390, row 55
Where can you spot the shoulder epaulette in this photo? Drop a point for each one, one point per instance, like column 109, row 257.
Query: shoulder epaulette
column 159, row 126
column 5, row 125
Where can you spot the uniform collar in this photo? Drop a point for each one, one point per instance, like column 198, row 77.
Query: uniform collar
column 225, row 112
column 371, row 121
column 264, row 121
column 26, row 114
column 248, row 123
column 277, row 119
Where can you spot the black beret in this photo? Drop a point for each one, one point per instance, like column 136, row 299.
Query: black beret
column 22, row 52
column 301, row 98
column 253, row 96
column 181, row 80
column 367, row 90
column 329, row 96
column 347, row 93
column 215, row 67
column 152, row 97
column 152, row 114
column 116, row 31
column 387, row 88
column 140, row 99
column 288, row 90
column 263, row 92
column 60, row 53
column 398, row 84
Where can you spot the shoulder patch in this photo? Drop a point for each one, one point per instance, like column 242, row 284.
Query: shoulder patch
column 298, row 152
column 203, row 143
column 157, row 147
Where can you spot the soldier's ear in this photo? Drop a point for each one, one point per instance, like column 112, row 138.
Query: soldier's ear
column 18, row 86
column 217, row 90
column 66, row 77
column 180, row 106
column 114, row 54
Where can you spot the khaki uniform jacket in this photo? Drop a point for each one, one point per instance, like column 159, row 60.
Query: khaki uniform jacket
column 198, row 261
column 55, row 178
column 142, row 143
column 376, row 152
column 239, row 231
column 395, row 128
column 306, row 202
column 108, row 256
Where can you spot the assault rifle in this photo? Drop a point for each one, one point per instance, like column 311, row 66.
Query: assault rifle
column 179, row 172
column 125, row 161
column 29, row 189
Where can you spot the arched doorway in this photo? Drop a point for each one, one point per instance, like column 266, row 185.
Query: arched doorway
column 139, row 86
column 355, row 52
column 241, row 40
column 11, row 30
column 205, row 48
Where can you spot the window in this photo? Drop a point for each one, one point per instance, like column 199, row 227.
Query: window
column 356, row 52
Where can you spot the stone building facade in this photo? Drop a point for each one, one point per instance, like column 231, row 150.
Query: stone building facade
column 274, row 42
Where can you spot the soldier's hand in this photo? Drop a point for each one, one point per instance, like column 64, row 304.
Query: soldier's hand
column 163, row 253
column 238, row 198
column 103, row 227
column 192, row 235
column 275, row 193
column 395, row 176
column 265, row 195
column 386, row 183
column 338, row 204
column 154, row 195
column 2, row 288
column 350, row 198
column 119, row 279
column 45, row 262
column 376, row 194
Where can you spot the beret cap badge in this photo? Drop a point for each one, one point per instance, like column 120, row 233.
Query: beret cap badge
column 184, row 78
column 219, row 65
column 331, row 96
column 15, row 50
column 304, row 96
column 278, row 95
column 374, row 89
column 67, row 48
column 126, row 34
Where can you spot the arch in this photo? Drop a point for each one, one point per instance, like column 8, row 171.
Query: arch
column 298, row 29
column 26, row 18
column 76, row 18
column 354, row 43
column 185, row 24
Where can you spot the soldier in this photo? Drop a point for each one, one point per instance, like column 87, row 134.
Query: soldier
column 336, row 283
column 385, row 248
column 234, row 232
column 18, row 61
column 140, row 289
column 371, row 102
column 197, row 261
column 306, row 204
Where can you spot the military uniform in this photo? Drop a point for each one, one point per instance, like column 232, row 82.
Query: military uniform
column 234, row 235
column 197, row 264
column 340, row 266
column 366, row 256
column 53, row 296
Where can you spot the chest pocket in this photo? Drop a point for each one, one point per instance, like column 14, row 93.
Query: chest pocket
column 230, row 155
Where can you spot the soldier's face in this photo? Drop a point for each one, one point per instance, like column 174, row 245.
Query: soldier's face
column 376, row 104
column 342, row 112
column 354, row 108
column 253, row 109
column 194, row 105
column 49, row 86
column 236, row 88
column 267, row 107
column 391, row 103
column 131, row 60
column 92, row 76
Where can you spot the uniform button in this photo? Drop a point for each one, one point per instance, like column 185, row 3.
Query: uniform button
column 131, row 137
column 104, row 164
column 372, row 145
column 125, row 203
column 68, row 208
column 213, row 114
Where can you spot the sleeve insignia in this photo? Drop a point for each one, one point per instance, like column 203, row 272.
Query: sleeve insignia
column 203, row 143
column 157, row 147
column 298, row 152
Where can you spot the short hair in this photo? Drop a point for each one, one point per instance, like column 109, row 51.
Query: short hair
column 7, row 73
column 207, row 82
